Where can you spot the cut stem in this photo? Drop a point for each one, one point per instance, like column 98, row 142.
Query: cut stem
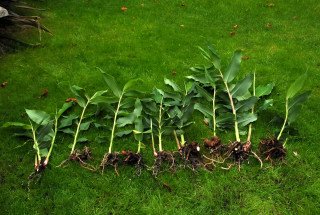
column 177, row 140
column 182, row 140
column 78, row 127
column 36, row 146
column 52, row 141
column 285, row 121
column 152, row 138
column 252, row 110
column 234, row 112
column 139, row 147
column 114, row 124
column 159, row 126
column 214, row 111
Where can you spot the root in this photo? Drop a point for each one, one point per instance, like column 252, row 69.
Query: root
column 133, row 159
column 272, row 149
column 163, row 157
column 81, row 157
column 110, row 159
column 191, row 156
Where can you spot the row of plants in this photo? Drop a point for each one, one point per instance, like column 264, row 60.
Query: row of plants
column 11, row 23
column 226, row 102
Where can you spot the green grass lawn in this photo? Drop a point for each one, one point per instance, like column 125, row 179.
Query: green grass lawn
column 151, row 40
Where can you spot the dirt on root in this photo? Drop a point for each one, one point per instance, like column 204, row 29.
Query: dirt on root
column 133, row 159
column 161, row 159
column 215, row 146
column 238, row 151
column 191, row 156
column 110, row 159
column 272, row 149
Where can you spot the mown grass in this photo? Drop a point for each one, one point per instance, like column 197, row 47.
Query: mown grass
column 151, row 40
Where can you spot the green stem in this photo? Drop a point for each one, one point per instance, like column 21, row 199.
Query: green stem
column 160, row 126
column 182, row 140
column 285, row 121
column 177, row 140
column 78, row 127
column 36, row 145
column 252, row 110
column 214, row 111
column 152, row 138
column 114, row 123
column 52, row 141
column 139, row 147
column 234, row 112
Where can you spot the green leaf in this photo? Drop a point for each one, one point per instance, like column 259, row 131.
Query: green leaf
column 130, row 83
column 67, row 131
column 112, row 84
column 295, row 105
column 172, row 84
column 205, row 54
column 242, row 87
column 138, row 126
column 187, row 113
column 266, row 104
column 157, row 95
column 247, row 104
column 17, row 124
column 85, row 126
column 264, row 90
column 43, row 152
column 203, row 93
column 204, row 110
column 296, row 86
column 246, row 118
column 98, row 97
column 64, row 108
column 215, row 59
column 82, row 140
column 211, row 80
column 233, row 68
column 38, row 116
column 198, row 78
column 127, row 103
column 67, row 120
column 123, row 133
column 126, row 120
column 79, row 94
column 137, row 108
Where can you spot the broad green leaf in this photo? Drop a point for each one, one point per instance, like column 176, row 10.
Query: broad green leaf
column 126, row 120
column 242, row 87
column 138, row 126
column 264, row 90
column 130, row 83
column 82, row 140
column 43, row 152
column 295, row 105
column 135, row 93
column 198, row 78
column 296, row 86
column 38, row 116
column 174, row 96
column 157, row 95
column 127, row 103
column 67, row 120
column 80, row 95
column 298, row 100
column 266, row 104
column 67, row 131
column 173, row 112
column 98, row 97
column 233, row 68
column 112, row 84
column 64, row 108
column 204, row 110
column 98, row 125
column 137, row 108
column 205, row 54
column 172, row 84
column 203, row 93
column 209, row 78
column 246, row 118
column 123, row 133
column 45, row 132
column 187, row 113
column 17, row 124
column 225, row 120
column 246, row 105
column 85, row 126
column 215, row 59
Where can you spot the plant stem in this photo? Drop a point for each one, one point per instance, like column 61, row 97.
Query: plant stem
column 177, row 140
column 234, row 112
column 139, row 147
column 285, row 121
column 214, row 111
column 114, row 123
column 152, row 137
column 52, row 141
column 182, row 140
column 252, row 110
column 78, row 127
column 159, row 125
column 36, row 146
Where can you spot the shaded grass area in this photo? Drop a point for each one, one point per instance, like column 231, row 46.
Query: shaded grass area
column 151, row 40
